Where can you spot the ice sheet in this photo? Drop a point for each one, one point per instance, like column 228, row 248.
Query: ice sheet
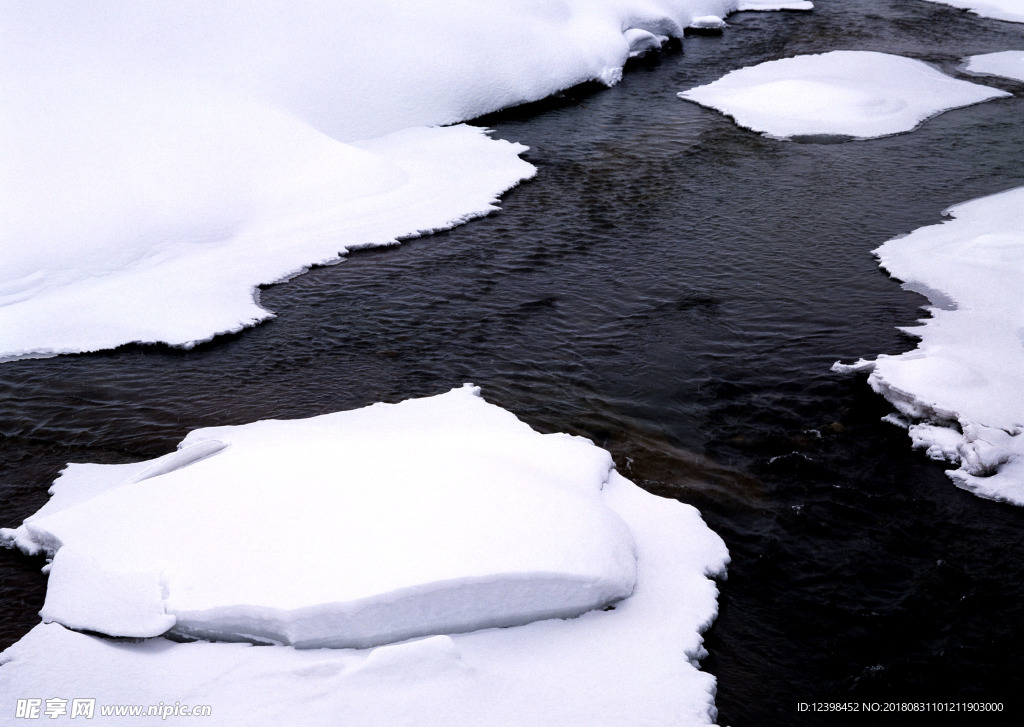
column 861, row 94
column 964, row 383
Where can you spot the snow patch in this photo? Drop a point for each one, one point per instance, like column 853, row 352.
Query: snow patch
column 861, row 94
column 1005, row 64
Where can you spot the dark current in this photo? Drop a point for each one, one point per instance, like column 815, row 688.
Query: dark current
column 674, row 288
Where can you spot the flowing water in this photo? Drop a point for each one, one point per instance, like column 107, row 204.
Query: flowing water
column 676, row 289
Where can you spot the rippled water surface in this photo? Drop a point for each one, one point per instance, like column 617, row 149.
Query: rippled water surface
column 676, row 289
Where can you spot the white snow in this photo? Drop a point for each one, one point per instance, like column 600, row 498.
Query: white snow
column 163, row 159
column 861, row 94
column 295, row 530
column 1006, row 64
column 964, row 383
column 1012, row 10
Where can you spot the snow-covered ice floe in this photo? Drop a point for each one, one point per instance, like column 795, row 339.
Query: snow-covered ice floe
column 1005, row 64
column 861, row 94
column 163, row 159
column 400, row 534
column 962, row 388
column 1012, row 10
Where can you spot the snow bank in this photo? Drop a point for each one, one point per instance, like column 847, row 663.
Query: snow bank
column 1011, row 10
column 862, row 94
column 163, row 159
column 964, row 383
column 1006, row 64
column 427, row 498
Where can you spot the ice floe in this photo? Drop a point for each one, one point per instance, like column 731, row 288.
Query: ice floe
column 1012, row 10
column 964, row 383
column 438, row 518
column 163, row 159
column 1005, row 64
column 861, row 94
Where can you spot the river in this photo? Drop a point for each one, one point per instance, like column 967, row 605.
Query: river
column 674, row 288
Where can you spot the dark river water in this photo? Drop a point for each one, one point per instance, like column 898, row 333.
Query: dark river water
column 676, row 289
